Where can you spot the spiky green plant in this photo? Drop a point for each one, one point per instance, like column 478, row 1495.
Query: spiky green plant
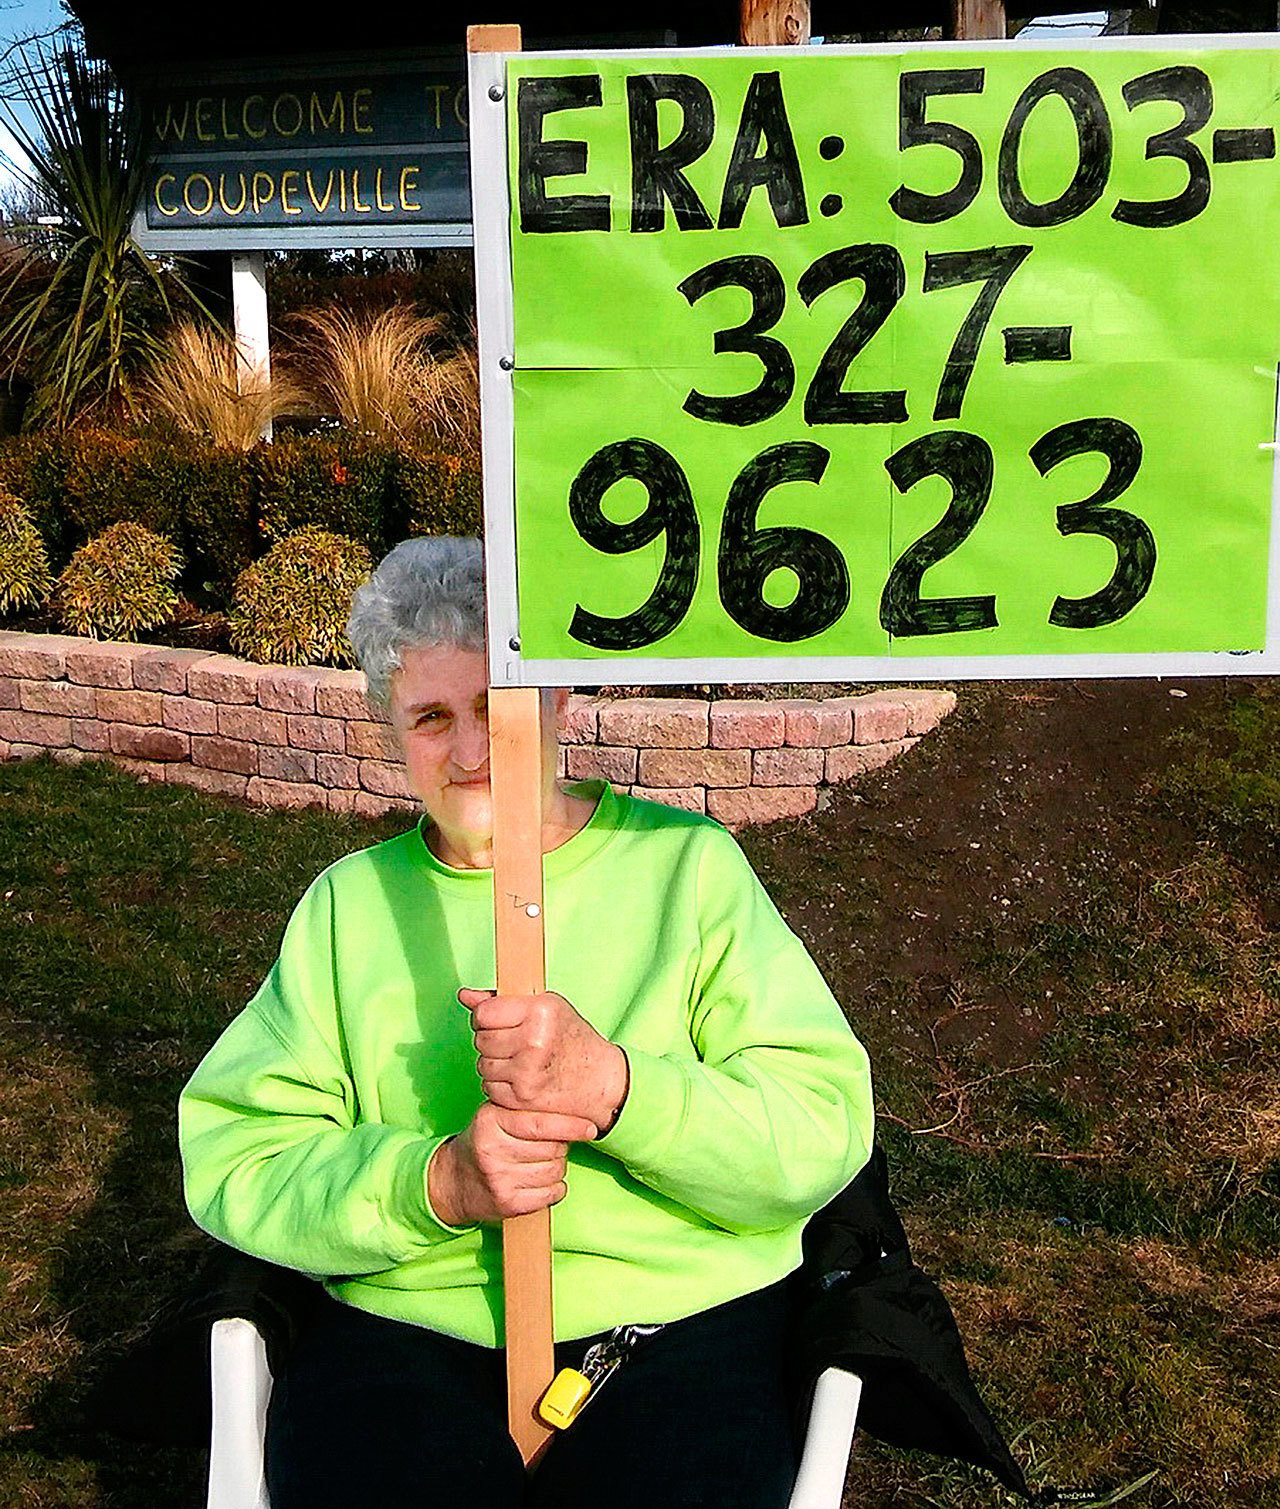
column 119, row 583
column 25, row 578
column 85, row 327
column 291, row 606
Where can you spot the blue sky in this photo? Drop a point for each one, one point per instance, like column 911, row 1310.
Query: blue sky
column 21, row 18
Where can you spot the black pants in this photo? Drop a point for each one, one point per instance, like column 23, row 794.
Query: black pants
column 377, row 1414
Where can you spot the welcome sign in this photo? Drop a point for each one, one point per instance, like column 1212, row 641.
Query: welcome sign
column 843, row 363
column 323, row 157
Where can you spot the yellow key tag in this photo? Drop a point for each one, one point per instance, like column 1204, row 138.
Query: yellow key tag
column 567, row 1394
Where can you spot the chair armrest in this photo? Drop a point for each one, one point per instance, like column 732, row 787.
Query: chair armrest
column 825, row 1461
column 241, row 1391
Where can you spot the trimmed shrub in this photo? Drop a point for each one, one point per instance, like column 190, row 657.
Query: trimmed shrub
column 25, row 578
column 119, row 583
column 76, row 484
column 291, row 607
column 435, row 494
column 112, row 477
column 338, row 481
column 223, row 507
column 212, row 491
column 219, row 511
column 34, row 469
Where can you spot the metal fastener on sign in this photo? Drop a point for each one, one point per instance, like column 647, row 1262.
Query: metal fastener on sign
column 506, row 363
column 495, row 92
column 533, row 910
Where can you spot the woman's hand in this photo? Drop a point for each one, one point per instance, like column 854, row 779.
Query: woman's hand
column 537, row 1053
column 506, row 1163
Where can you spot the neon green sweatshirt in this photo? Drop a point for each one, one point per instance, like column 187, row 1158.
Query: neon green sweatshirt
column 307, row 1129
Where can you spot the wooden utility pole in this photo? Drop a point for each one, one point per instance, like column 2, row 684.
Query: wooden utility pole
column 975, row 19
column 773, row 23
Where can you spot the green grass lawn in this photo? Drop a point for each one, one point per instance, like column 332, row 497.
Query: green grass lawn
column 134, row 922
column 1101, row 1198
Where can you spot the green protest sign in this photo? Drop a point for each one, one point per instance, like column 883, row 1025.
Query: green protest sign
column 962, row 356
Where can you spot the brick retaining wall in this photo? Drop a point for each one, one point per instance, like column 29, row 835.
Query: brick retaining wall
column 290, row 737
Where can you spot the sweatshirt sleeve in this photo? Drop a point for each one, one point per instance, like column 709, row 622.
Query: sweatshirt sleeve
column 275, row 1162
column 772, row 1113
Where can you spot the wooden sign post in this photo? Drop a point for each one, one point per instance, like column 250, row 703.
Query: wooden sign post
column 972, row 20
column 515, row 775
column 773, row 23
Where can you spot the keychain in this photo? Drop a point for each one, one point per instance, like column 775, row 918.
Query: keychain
column 572, row 1389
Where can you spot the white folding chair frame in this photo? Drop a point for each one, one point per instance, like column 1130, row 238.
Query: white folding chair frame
column 828, row 1440
column 241, row 1383
column 241, row 1387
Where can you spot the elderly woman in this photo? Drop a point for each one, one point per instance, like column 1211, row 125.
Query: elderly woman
column 685, row 1095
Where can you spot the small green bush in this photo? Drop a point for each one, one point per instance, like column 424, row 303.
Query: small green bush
column 25, row 578
column 291, row 607
column 434, row 494
column 118, row 583
column 338, row 481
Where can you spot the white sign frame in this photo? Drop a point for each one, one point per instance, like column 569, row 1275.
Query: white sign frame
column 496, row 321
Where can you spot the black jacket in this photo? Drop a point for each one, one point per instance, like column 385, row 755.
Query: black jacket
column 863, row 1305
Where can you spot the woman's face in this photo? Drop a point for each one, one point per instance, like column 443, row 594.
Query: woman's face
column 439, row 708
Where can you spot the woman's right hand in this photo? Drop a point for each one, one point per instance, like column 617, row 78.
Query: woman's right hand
column 506, row 1163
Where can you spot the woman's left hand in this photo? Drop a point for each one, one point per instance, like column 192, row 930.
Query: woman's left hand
column 535, row 1053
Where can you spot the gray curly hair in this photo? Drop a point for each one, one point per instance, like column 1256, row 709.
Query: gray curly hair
column 425, row 592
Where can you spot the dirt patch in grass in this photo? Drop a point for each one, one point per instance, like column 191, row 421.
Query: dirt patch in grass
column 996, row 823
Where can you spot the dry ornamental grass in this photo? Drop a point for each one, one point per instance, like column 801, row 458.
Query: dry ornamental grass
column 378, row 374
column 195, row 385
